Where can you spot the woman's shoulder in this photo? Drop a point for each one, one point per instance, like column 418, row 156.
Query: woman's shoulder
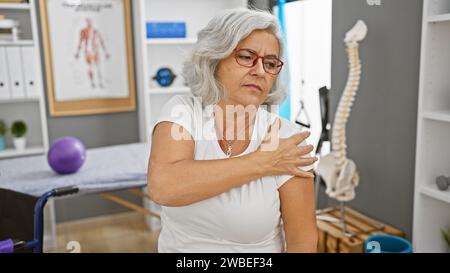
column 182, row 110
column 188, row 100
column 183, row 103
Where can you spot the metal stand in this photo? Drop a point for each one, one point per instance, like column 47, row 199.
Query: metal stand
column 342, row 222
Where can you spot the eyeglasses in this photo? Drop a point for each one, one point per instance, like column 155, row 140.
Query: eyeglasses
column 249, row 58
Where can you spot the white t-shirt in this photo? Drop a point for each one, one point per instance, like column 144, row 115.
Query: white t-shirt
column 244, row 219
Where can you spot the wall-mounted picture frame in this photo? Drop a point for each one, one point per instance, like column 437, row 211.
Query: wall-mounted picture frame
column 88, row 56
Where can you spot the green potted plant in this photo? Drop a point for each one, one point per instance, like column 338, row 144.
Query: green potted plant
column 446, row 235
column 19, row 130
column 3, row 131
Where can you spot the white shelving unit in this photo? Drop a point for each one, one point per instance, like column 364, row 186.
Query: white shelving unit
column 174, row 41
column 152, row 54
column 15, row 6
column 18, row 43
column 432, row 206
column 168, row 91
column 29, row 107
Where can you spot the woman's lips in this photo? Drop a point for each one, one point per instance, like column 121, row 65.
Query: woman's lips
column 254, row 87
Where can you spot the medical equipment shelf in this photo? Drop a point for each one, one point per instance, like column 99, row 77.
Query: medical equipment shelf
column 442, row 115
column 431, row 191
column 29, row 107
column 174, row 41
column 155, row 53
column 19, row 100
column 28, row 151
column 17, row 43
column 169, row 91
column 436, row 7
column 431, row 205
column 15, row 6
column 439, row 18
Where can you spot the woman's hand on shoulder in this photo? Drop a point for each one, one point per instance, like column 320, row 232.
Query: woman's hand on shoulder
column 283, row 156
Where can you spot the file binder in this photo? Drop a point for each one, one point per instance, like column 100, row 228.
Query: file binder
column 29, row 69
column 5, row 92
column 14, row 61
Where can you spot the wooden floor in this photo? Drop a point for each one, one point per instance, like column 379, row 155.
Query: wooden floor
column 118, row 233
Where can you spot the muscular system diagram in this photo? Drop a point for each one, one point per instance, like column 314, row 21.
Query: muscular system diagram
column 90, row 44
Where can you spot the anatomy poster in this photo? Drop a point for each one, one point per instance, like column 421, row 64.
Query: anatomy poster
column 88, row 43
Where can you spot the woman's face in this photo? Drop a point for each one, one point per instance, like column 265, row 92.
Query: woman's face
column 248, row 85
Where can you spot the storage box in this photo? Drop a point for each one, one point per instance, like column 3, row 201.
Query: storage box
column 333, row 240
column 166, row 30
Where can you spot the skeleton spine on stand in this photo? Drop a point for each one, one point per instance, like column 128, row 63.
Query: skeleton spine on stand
column 337, row 171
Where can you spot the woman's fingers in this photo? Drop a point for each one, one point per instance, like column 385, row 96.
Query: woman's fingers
column 302, row 150
column 301, row 162
column 290, row 156
column 304, row 174
column 299, row 138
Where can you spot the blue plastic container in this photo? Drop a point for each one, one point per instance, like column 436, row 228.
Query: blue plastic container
column 166, row 30
column 383, row 243
column 2, row 143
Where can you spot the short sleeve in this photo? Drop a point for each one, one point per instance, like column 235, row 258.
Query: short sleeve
column 288, row 129
column 180, row 110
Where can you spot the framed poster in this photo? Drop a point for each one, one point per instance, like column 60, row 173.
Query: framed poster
column 88, row 56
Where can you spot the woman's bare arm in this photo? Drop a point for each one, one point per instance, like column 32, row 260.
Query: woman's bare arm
column 299, row 215
column 176, row 179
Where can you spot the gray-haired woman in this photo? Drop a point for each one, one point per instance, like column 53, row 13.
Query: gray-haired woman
column 230, row 175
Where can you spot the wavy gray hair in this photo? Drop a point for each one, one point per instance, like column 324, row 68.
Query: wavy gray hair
column 217, row 41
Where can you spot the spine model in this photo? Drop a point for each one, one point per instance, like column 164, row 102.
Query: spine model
column 340, row 173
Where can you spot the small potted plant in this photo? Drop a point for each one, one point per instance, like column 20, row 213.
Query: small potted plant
column 3, row 131
column 19, row 129
column 446, row 235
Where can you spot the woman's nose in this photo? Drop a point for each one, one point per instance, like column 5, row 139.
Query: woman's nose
column 258, row 68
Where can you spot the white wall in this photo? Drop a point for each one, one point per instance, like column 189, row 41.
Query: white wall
column 308, row 26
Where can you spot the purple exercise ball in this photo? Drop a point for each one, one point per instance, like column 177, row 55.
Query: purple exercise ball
column 66, row 155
